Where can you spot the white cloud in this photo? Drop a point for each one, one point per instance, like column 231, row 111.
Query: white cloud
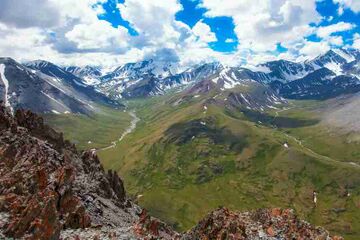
column 99, row 35
column 83, row 11
column 230, row 40
column 261, row 24
column 30, row 13
column 336, row 41
column 356, row 43
column 65, row 32
column 353, row 5
column 154, row 20
column 326, row 31
column 313, row 49
column 203, row 31
column 70, row 32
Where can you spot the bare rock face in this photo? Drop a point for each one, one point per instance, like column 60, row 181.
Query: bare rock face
column 47, row 187
column 269, row 224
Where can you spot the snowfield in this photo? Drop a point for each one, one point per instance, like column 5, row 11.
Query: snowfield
column 6, row 85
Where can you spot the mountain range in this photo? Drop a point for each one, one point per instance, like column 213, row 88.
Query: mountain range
column 189, row 140
column 46, row 87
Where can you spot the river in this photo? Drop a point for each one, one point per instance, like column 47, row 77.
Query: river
column 127, row 131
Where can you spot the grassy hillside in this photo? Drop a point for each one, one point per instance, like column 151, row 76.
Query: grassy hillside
column 188, row 157
column 95, row 131
column 184, row 160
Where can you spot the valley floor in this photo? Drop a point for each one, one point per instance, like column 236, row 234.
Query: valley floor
column 183, row 160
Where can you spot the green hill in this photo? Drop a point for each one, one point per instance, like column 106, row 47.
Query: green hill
column 190, row 154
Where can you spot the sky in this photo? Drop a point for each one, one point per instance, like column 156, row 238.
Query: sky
column 109, row 33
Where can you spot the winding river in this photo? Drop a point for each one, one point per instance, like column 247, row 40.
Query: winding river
column 129, row 130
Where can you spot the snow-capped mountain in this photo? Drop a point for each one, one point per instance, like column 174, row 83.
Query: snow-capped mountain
column 58, row 92
column 54, row 71
column 139, row 79
column 192, row 75
column 144, row 68
column 329, row 75
column 285, row 71
column 90, row 74
column 149, row 78
column 320, row 84
column 234, row 88
column 352, row 68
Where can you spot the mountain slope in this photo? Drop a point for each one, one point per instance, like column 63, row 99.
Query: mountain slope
column 320, row 84
column 190, row 154
column 91, row 75
column 50, row 189
column 45, row 88
column 22, row 88
column 68, row 81
column 286, row 71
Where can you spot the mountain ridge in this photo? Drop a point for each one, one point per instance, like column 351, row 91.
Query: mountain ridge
column 46, row 88
column 292, row 80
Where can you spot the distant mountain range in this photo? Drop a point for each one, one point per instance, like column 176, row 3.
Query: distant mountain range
column 328, row 75
column 45, row 87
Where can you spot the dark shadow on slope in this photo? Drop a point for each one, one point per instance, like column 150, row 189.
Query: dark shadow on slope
column 184, row 132
column 269, row 120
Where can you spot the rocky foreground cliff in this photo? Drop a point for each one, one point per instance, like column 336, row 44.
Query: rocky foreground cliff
column 48, row 190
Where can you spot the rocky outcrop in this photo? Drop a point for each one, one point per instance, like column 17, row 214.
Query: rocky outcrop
column 50, row 191
column 47, row 187
column 262, row 224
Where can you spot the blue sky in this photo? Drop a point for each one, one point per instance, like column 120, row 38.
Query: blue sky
column 112, row 32
column 223, row 27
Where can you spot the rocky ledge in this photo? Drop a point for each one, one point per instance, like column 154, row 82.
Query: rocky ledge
column 271, row 224
column 48, row 190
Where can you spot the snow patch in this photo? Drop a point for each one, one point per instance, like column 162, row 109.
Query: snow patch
column 6, row 85
column 336, row 68
column 259, row 68
column 243, row 97
column 215, row 80
column 344, row 55
column 50, row 97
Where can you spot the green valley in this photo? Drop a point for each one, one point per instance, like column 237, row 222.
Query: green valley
column 94, row 131
column 190, row 154
column 185, row 161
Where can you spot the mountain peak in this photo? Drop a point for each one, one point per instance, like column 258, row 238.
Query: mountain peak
column 39, row 64
column 7, row 60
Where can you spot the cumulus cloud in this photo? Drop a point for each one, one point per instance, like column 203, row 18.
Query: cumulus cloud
column 69, row 32
column 356, row 39
column 66, row 32
column 163, row 55
column 313, row 49
column 353, row 5
column 154, row 20
column 326, row 31
column 29, row 13
column 261, row 24
column 336, row 40
column 98, row 35
column 203, row 31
